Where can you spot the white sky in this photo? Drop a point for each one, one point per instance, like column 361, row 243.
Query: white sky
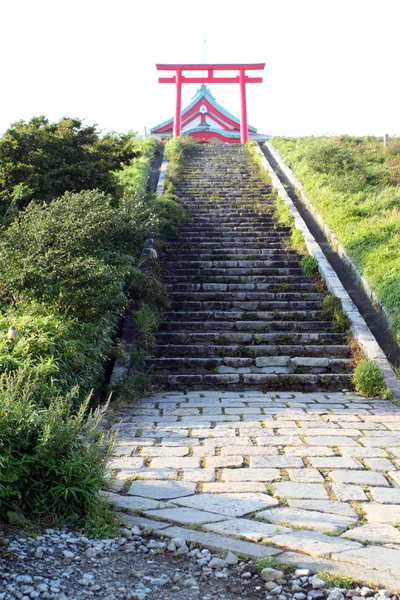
column 332, row 66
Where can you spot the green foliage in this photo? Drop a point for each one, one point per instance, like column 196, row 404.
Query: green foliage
column 52, row 462
column 337, row 580
column 309, row 264
column 272, row 563
column 354, row 184
column 256, row 160
column 332, row 309
column 146, row 326
column 368, row 378
column 41, row 160
column 297, row 240
column 282, row 213
column 60, row 352
column 339, row 162
column 74, row 254
column 100, row 521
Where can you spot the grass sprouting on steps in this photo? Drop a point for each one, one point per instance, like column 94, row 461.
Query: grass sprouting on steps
column 354, row 183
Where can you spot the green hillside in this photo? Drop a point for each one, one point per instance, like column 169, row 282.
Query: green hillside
column 354, row 183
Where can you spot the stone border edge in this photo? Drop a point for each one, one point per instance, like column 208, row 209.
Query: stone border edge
column 359, row 328
column 127, row 339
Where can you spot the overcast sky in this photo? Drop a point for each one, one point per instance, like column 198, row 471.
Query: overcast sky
column 332, row 66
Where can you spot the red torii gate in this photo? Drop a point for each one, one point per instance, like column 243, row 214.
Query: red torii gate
column 242, row 79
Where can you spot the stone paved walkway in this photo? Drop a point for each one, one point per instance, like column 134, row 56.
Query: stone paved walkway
column 311, row 478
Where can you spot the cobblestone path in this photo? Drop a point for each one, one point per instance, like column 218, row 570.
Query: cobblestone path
column 309, row 478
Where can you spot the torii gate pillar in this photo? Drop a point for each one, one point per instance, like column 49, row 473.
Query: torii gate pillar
column 242, row 79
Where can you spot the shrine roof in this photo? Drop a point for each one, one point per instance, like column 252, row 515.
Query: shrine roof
column 203, row 92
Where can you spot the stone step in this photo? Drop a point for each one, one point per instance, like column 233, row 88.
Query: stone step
column 246, row 337
column 227, row 287
column 262, row 364
column 243, row 296
column 172, row 278
column 204, row 255
column 245, row 305
column 250, row 326
column 233, row 264
column 297, row 382
column 235, row 350
column 243, row 316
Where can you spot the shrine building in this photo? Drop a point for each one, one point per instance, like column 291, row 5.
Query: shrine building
column 208, row 122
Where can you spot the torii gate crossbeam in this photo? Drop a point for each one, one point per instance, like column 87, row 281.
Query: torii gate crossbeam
column 241, row 78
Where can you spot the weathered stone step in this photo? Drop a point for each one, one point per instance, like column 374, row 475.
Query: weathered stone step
column 246, row 305
column 235, row 350
column 227, row 287
column 210, row 315
column 222, row 337
column 265, row 238
column 267, row 364
column 172, row 278
column 227, row 257
column 243, row 296
column 244, row 264
column 231, row 253
column 299, row 382
column 250, row 326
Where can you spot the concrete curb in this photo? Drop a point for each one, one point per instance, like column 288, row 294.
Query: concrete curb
column 359, row 328
column 128, row 336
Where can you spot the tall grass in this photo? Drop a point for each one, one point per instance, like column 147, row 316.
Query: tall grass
column 354, row 183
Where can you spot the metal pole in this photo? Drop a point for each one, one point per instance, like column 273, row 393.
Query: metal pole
column 243, row 119
column 177, row 122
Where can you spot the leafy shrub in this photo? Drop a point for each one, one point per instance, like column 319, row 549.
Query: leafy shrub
column 74, row 253
column 309, row 264
column 335, row 159
column 368, row 378
column 52, row 464
column 61, row 352
column 41, row 160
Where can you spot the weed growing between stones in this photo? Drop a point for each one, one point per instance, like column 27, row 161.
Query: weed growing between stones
column 337, row 580
column 271, row 563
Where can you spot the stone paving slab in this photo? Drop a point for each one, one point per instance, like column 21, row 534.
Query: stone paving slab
column 231, row 505
column 328, row 506
column 253, row 531
column 161, row 490
column 184, row 516
column 310, row 519
column 293, row 459
column 379, row 534
column 314, row 543
column 219, row 543
column 377, row 557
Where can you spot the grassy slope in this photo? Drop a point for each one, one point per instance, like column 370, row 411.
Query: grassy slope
column 355, row 184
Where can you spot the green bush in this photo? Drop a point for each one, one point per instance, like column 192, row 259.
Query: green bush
column 52, row 463
column 61, row 352
column 41, row 160
column 309, row 264
column 368, row 378
column 74, row 254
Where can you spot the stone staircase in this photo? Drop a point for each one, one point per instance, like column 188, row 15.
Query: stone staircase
column 242, row 312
